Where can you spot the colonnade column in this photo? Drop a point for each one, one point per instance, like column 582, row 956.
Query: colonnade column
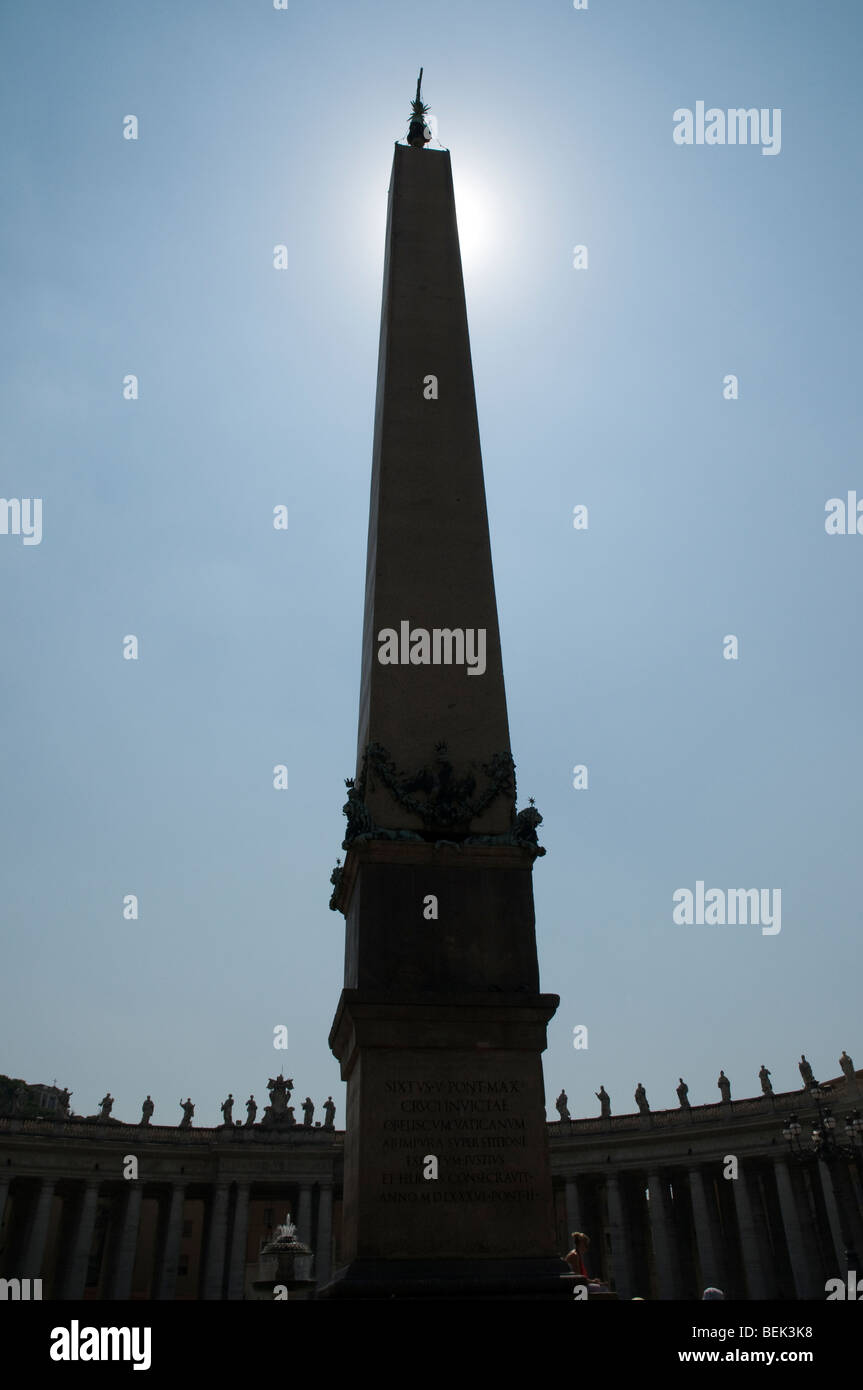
column 75, row 1280
column 708, row 1253
column 121, row 1281
column 237, row 1261
column 304, row 1214
column 756, row 1277
column 166, row 1277
column 217, row 1230
column 34, row 1250
column 660, row 1235
column 323, row 1263
column 573, row 1207
column 845, row 1198
column 4, row 1193
column 304, row 1228
column 621, row 1265
column 840, row 1232
column 801, row 1269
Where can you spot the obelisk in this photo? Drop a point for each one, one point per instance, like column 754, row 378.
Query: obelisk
column 440, row 1026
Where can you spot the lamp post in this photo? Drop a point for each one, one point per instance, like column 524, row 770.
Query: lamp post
column 826, row 1147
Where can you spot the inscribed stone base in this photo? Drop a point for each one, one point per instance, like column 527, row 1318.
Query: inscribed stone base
column 446, row 1153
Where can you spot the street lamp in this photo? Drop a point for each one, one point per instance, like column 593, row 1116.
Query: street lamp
column 826, row 1147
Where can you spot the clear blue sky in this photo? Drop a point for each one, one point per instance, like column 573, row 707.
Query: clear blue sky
column 602, row 387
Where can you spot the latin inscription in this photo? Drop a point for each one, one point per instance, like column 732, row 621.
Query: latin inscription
column 475, row 1128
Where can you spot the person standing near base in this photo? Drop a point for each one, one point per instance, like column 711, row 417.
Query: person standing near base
column 575, row 1258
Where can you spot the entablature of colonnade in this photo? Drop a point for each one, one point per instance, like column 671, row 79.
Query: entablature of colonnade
column 63, row 1149
column 693, row 1134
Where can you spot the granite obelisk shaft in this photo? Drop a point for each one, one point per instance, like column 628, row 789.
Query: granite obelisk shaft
column 429, row 559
